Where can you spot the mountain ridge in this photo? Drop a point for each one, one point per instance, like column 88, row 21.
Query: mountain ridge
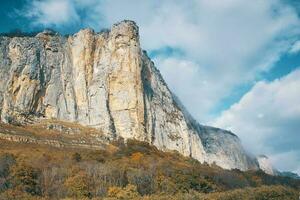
column 106, row 81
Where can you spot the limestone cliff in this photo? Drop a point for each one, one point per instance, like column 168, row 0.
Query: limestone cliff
column 265, row 165
column 105, row 81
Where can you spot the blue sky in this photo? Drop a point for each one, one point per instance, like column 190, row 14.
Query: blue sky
column 233, row 63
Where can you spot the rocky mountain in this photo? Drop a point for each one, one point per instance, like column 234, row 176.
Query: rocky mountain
column 105, row 81
column 265, row 165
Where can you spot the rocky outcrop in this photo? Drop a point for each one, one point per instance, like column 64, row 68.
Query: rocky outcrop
column 50, row 142
column 106, row 81
column 265, row 165
column 55, row 133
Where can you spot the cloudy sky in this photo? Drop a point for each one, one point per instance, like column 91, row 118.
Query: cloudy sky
column 233, row 63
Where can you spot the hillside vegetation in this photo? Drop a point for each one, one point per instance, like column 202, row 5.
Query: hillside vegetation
column 135, row 170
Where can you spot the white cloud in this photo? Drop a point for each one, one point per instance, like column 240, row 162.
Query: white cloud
column 267, row 119
column 51, row 12
column 287, row 161
column 189, row 82
column 295, row 48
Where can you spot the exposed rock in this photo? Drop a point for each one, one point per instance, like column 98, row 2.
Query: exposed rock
column 54, row 133
column 265, row 165
column 105, row 80
column 51, row 142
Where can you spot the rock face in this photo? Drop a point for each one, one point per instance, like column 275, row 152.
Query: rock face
column 265, row 165
column 105, row 80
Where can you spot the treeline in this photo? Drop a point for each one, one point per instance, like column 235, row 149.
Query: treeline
column 136, row 170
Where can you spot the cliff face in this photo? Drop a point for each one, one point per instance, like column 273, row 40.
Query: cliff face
column 265, row 165
column 105, row 80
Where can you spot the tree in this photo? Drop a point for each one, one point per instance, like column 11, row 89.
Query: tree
column 25, row 178
column 143, row 180
column 78, row 185
column 52, row 182
column 6, row 162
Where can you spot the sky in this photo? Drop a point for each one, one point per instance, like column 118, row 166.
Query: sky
column 234, row 64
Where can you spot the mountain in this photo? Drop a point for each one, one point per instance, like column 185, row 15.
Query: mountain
column 107, row 82
column 265, row 165
column 289, row 174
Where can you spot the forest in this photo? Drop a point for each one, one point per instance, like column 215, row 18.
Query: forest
column 135, row 170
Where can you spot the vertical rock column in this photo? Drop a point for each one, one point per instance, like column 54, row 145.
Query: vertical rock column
column 82, row 51
column 125, row 95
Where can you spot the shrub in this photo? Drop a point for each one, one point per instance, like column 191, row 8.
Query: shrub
column 25, row 178
column 128, row 192
column 76, row 157
column 16, row 194
column 143, row 180
column 98, row 155
column 78, row 185
column 6, row 162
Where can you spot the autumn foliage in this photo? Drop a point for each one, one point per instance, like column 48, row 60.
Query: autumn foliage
column 131, row 170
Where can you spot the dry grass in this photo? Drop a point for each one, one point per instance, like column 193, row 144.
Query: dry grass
column 57, row 133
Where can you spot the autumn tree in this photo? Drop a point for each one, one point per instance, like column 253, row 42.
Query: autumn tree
column 126, row 193
column 25, row 178
column 6, row 162
column 78, row 185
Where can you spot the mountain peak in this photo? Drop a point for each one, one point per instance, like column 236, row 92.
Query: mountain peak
column 129, row 23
